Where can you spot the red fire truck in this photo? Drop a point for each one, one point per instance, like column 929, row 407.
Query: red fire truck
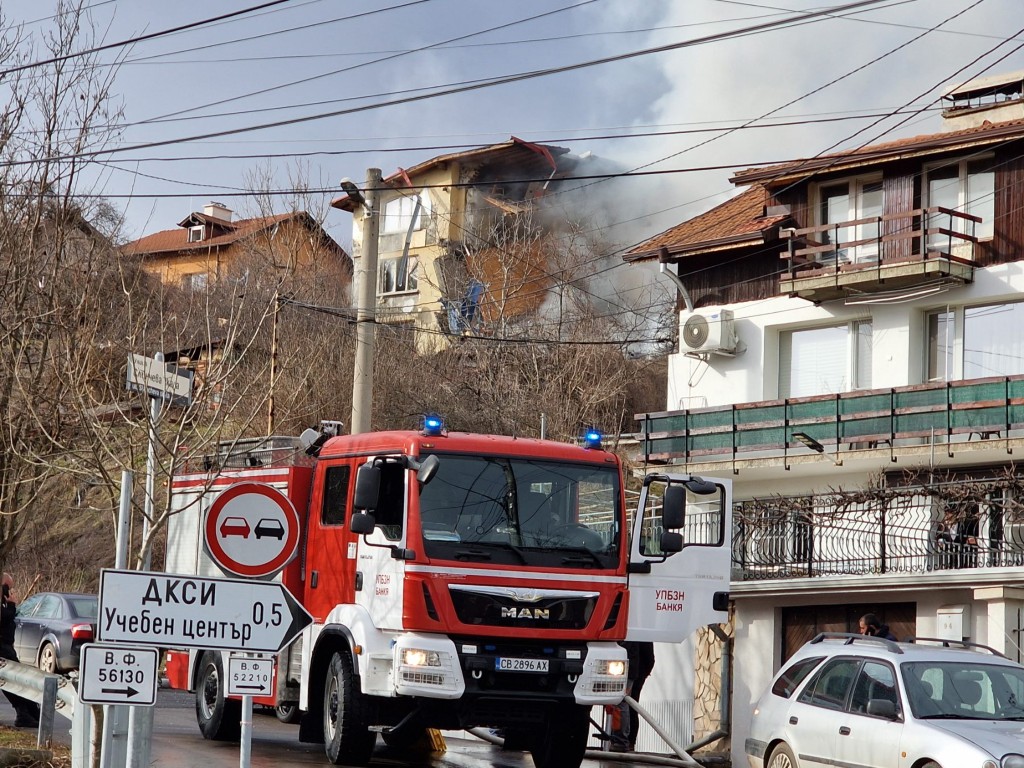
column 459, row 580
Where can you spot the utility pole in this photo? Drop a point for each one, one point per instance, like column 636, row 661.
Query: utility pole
column 366, row 301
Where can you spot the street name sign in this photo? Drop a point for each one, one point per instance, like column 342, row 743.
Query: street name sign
column 251, row 529
column 250, row 676
column 154, row 378
column 175, row 611
column 118, row 674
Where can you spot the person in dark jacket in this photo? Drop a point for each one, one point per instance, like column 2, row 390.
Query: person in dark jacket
column 26, row 711
column 625, row 720
column 873, row 626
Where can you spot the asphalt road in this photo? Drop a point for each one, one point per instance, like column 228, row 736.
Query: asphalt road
column 177, row 743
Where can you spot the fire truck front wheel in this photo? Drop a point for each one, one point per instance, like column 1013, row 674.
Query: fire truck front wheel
column 564, row 740
column 218, row 716
column 348, row 739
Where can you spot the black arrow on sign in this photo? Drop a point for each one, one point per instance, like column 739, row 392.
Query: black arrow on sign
column 129, row 691
column 250, row 687
column 300, row 618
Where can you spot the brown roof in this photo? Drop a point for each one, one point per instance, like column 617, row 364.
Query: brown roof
column 176, row 240
column 914, row 146
column 734, row 222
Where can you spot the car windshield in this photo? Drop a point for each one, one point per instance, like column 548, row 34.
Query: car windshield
column 522, row 511
column 958, row 690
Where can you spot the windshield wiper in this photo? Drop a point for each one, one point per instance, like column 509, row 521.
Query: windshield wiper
column 511, row 547
column 472, row 554
column 950, row 716
column 591, row 557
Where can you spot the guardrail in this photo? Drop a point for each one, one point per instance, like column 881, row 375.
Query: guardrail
column 55, row 694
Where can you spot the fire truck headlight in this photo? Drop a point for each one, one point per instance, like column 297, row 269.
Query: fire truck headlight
column 416, row 657
column 612, row 667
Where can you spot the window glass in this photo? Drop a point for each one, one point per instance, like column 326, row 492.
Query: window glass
column 788, row 681
column 84, row 607
column 50, row 608
column 993, row 341
column 29, row 604
column 875, row 681
column 390, row 512
column 831, row 686
column 981, row 196
column 398, row 274
column 335, row 501
column 940, row 346
column 964, row 690
column 967, row 186
column 862, row 360
column 814, row 362
column 398, row 214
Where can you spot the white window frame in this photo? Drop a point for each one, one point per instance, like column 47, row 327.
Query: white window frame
column 389, row 267
column 855, row 186
column 197, row 233
column 855, row 374
column 397, row 213
column 955, row 339
column 983, row 231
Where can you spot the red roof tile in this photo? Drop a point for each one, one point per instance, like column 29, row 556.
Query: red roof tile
column 732, row 222
column 175, row 240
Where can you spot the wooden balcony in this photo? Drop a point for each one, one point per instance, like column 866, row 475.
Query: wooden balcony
column 894, row 254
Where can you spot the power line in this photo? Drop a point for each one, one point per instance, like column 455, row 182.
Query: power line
column 139, row 38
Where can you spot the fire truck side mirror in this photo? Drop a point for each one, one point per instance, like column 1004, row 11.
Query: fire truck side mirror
column 673, row 508
column 671, row 541
column 367, row 493
column 362, row 523
column 428, row 468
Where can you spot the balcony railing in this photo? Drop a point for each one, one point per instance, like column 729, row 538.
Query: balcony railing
column 880, row 252
column 982, row 408
column 871, row 538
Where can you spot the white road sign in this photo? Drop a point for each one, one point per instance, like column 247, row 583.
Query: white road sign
column 249, row 676
column 251, row 529
column 153, row 377
column 173, row 611
column 117, row 674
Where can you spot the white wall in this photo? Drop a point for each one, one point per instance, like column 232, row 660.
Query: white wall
column 898, row 338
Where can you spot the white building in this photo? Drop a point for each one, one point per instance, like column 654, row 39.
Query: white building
column 852, row 354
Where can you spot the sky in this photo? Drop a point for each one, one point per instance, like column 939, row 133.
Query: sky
column 737, row 70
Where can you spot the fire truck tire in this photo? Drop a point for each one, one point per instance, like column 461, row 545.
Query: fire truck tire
column 219, row 718
column 288, row 712
column 564, row 741
column 348, row 739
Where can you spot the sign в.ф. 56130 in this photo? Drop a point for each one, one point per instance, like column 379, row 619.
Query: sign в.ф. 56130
column 171, row 611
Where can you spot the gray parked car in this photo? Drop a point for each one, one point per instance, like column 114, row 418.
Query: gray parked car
column 51, row 628
column 850, row 700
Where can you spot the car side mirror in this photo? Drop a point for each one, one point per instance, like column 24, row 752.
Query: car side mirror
column 882, row 708
column 673, row 508
column 362, row 523
column 367, row 494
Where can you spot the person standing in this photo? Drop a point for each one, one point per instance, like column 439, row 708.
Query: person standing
column 872, row 626
column 625, row 719
column 26, row 710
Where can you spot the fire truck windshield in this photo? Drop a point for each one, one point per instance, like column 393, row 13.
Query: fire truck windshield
column 522, row 511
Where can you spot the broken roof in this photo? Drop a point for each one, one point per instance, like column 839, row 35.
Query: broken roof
column 736, row 222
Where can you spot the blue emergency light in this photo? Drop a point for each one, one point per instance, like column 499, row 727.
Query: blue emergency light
column 592, row 438
column 433, row 425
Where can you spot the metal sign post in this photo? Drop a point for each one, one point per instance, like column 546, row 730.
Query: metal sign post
column 249, row 676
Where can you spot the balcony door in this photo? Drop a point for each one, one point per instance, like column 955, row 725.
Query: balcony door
column 849, row 201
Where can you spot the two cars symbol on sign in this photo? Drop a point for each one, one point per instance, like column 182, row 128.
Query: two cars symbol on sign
column 251, row 529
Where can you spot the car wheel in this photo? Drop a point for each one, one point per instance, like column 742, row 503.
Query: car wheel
column 782, row 757
column 219, row 718
column 287, row 712
column 931, row 764
column 48, row 659
column 348, row 739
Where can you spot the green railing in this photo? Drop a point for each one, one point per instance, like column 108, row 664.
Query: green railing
column 983, row 407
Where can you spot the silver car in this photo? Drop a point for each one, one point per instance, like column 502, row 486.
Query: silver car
column 851, row 700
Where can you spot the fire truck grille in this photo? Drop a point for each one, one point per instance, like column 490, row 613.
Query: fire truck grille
column 491, row 610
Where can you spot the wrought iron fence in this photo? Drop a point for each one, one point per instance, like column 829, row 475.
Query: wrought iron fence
column 912, row 534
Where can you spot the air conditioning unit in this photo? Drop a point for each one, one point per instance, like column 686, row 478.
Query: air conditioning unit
column 708, row 330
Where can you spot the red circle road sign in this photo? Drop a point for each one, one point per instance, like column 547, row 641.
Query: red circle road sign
column 251, row 529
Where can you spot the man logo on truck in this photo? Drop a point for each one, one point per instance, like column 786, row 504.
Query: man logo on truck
column 526, row 613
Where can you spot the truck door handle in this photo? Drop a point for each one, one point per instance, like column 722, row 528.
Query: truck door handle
column 314, row 579
column 844, row 731
column 794, row 720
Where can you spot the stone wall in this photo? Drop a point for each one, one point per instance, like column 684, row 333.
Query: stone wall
column 708, row 685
